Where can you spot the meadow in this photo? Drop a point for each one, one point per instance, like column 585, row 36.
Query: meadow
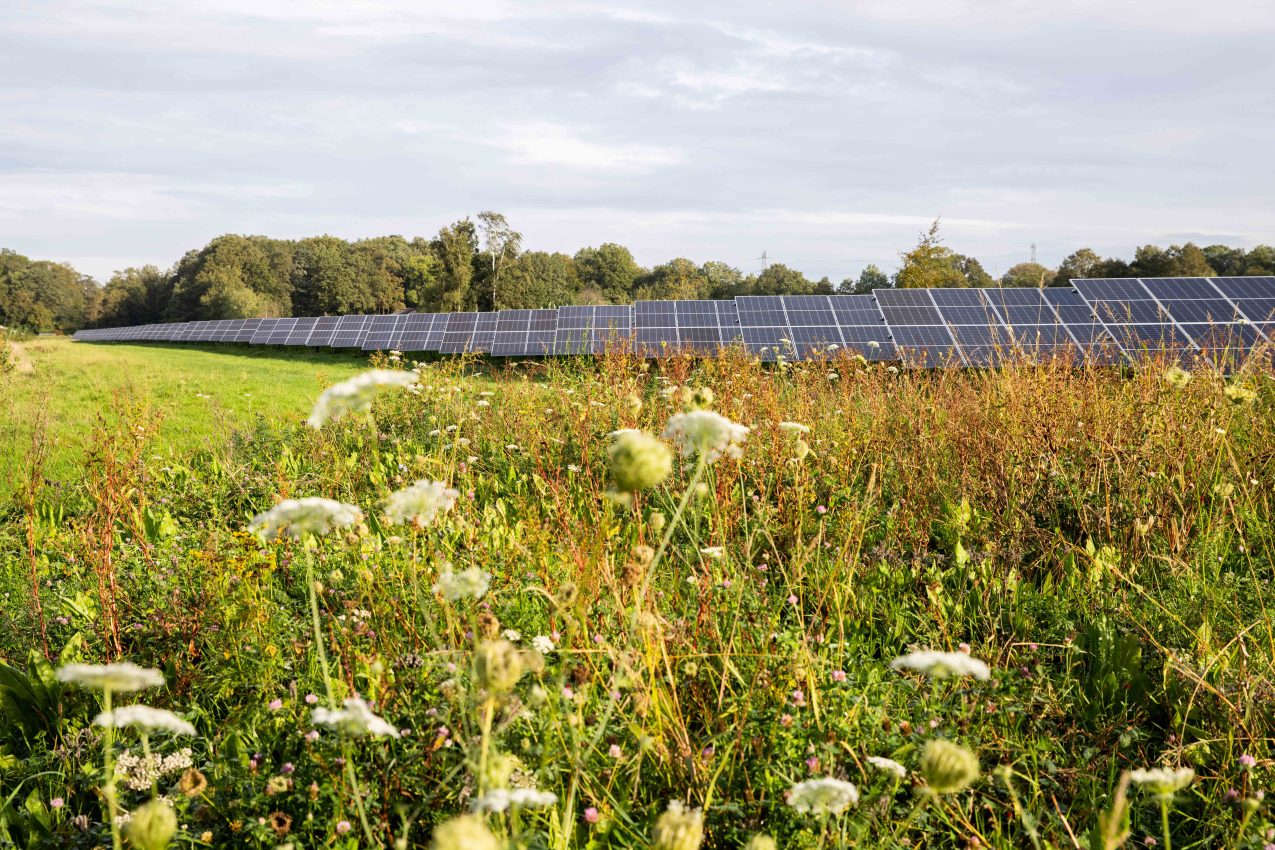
column 1024, row 607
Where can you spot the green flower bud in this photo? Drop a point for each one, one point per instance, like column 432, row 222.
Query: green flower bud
column 639, row 461
column 497, row 666
column 947, row 767
column 152, row 826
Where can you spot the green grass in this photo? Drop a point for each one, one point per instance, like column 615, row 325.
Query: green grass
column 197, row 394
column 1103, row 540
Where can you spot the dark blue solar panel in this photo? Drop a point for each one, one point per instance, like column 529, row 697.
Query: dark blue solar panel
column 321, row 332
column 1112, row 289
column 350, row 332
column 1246, row 287
column 459, row 333
column 248, row 330
column 1179, row 287
column 926, row 346
column 907, row 307
column 382, row 332
column 414, row 331
column 263, row 332
column 299, row 334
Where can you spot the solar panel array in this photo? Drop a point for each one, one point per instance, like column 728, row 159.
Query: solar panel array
column 1220, row 319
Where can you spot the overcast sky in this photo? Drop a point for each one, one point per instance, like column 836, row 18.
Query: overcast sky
column 825, row 133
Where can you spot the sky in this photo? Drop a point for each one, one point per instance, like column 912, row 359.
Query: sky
column 825, row 134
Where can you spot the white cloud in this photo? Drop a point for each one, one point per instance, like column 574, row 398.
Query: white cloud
column 560, row 146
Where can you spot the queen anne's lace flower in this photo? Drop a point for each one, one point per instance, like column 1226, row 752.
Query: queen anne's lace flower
column 356, row 394
column 504, row 799
column 543, row 644
column 145, row 719
column 355, row 720
column 706, row 433
column 942, row 664
column 794, row 428
column 456, row 586
column 824, row 796
column 121, row 677
column 1163, row 781
column 679, row 828
column 299, row 517
column 890, row 766
column 420, row 503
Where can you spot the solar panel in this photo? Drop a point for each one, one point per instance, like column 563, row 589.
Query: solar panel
column 589, row 329
column 907, row 307
column 655, row 328
column 812, row 325
column 280, row 331
column 321, row 331
column 764, row 326
column 541, row 331
column 510, row 335
column 349, row 332
column 414, row 331
column 921, row 337
column 926, row 346
column 1140, row 325
column 261, row 334
column 484, row 333
column 1246, row 287
column 247, row 330
column 299, row 333
column 382, row 332
column 458, row 333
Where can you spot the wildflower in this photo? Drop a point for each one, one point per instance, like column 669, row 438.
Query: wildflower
column 1177, row 377
column 713, row 552
column 679, row 828
column 761, row 842
column 511, row 635
column 1240, row 394
column 502, row 799
column 543, row 644
column 942, row 664
column 57, row 803
column 794, row 428
column 280, row 823
column 615, row 752
column 152, row 826
column 121, row 677
column 145, row 719
column 456, row 586
column 343, row 827
column 192, row 783
column 467, row 832
column 948, row 767
column 798, row 699
column 276, row 704
column 591, row 815
column 706, row 433
column 1247, row 762
column 886, row 765
column 638, row 461
column 823, row 796
column 355, row 720
column 1224, row 489
column 838, row 675
column 1163, row 781
column 311, row 699
column 498, row 665
column 356, row 394
column 420, row 503
column 697, row 398
column 296, row 518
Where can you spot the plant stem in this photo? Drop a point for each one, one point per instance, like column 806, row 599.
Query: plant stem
column 318, row 630
column 700, row 465
column 358, row 795
column 109, row 758
column 1164, row 823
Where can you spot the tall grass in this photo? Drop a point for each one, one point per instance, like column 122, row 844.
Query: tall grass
column 1102, row 539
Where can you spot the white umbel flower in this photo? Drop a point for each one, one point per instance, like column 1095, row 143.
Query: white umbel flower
column 889, row 766
column 504, row 799
column 356, row 394
column 794, row 428
column 355, row 720
column 706, row 433
column 420, row 503
column 122, row 677
column 543, row 644
column 940, row 665
column 1163, row 781
column 299, row 517
column 144, row 719
column 456, row 586
column 823, row 796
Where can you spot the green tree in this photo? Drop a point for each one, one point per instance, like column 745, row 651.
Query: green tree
column 41, row 295
column 869, row 279
column 676, row 279
column 779, row 279
column 724, row 281
column 932, row 264
column 456, row 247
column 539, row 279
column 610, row 270
column 501, row 244
column 1085, row 263
column 1027, row 274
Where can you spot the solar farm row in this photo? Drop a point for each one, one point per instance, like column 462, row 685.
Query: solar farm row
column 1107, row 320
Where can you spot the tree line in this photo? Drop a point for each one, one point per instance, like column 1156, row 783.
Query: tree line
column 480, row 264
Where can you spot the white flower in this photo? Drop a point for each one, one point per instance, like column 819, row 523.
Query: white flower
column 299, row 517
column 355, row 720
column 456, row 586
column 120, row 677
column 511, row 635
column 356, row 394
column 888, row 766
column 794, row 428
column 144, row 719
column 713, row 551
column 503, row 799
column 824, row 796
column 543, row 644
column 1163, row 781
column 942, row 664
column 707, row 433
column 420, row 503
column 482, row 402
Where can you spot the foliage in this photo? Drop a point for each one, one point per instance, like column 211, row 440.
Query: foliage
column 932, row 264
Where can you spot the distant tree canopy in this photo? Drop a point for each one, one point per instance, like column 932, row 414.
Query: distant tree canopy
column 481, row 265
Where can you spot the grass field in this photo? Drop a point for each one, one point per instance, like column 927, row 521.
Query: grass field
column 197, row 395
column 579, row 638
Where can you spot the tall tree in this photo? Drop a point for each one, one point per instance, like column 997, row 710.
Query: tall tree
column 676, row 279
column 455, row 247
column 539, row 279
column 501, row 244
column 932, row 264
column 869, row 279
column 610, row 270
column 724, row 281
column 1027, row 274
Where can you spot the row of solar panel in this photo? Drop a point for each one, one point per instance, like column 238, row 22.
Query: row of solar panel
column 1097, row 320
